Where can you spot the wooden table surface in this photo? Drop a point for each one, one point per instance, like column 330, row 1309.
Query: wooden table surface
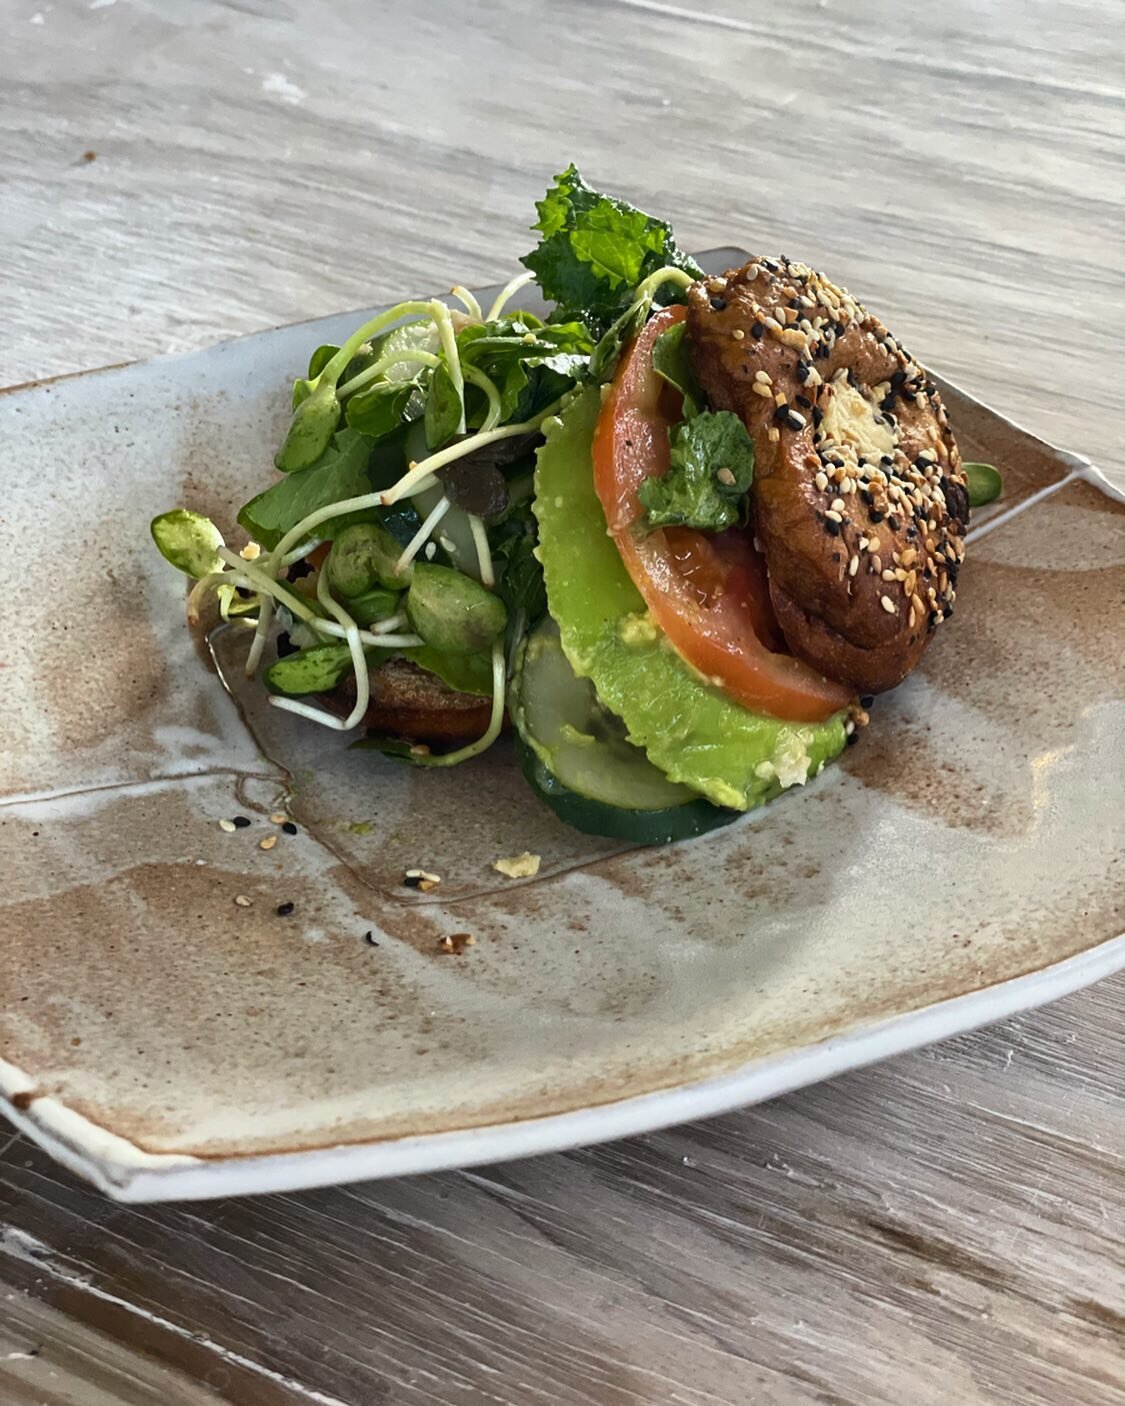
column 947, row 1227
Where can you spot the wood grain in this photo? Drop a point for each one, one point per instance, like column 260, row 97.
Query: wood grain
column 946, row 1227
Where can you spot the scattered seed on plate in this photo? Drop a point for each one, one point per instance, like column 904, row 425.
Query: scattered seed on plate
column 243, row 901
column 284, row 909
column 369, row 938
column 421, row 879
column 278, row 818
column 228, row 825
column 456, row 942
column 241, row 822
column 289, row 828
column 268, row 842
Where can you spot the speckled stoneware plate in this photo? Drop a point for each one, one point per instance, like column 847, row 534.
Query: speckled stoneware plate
column 963, row 862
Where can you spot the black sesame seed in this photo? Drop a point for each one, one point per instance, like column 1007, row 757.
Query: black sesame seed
column 412, row 881
column 867, row 700
column 719, row 304
column 876, row 515
column 242, row 821
column 832, row 527
column 893, row 523
column 887, row 403
column 803, row 369
column 781, row 412
column 284, row 909
column 817, row 416
column 289, row 828
column 804, row 400
column 887, row 461
column 794, row 421
column 758, row 329
column 369, row 938
column 898, row 378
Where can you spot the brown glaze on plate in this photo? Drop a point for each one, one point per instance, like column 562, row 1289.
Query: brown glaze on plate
column 971, row 839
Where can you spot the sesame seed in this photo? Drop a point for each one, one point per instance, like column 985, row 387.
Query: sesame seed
column 268, row 842
column 773, row 324
column 778, row 399
column 821, row 481
column 888, row 575
column 795, row 420
column 738, row 334
column 284, row 909
column 774, row 434
column 715, row 285
column 227, row 825
column 853, row 566
column 876, row 561
column 887, row 604
column 289, row 828
column 838, row 504
column 757, row 330
column 724, row 475
column 278, row 818
column 863, row 544
column 912, row 619
column 909, row 584
column 241, row 822
column 764, row 377
column 369, row 938
column 242, row 900
column 833, row 516
column 764, row 391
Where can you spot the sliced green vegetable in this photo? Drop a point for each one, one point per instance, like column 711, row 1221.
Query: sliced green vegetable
column 693, row 732
column 315, row 670
column 709, row 475
column 189, row 541
column 582, row 744
column 363, row 555
column 638, row 827
column 984, row 483
column 453, row 613
column 595, row 249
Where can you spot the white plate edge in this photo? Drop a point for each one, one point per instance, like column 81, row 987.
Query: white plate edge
column 128, row 1174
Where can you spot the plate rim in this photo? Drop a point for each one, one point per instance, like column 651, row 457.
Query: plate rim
column 128, row 1174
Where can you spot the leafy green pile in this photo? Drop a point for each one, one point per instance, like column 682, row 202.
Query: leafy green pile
column 401, row 523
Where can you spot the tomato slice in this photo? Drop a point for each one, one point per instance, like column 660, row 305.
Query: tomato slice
column 707, row 591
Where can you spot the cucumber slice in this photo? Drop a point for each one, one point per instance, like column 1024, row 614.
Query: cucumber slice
column 638, row 827
column 579, row 742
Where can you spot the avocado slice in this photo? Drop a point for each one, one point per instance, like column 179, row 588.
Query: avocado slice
column 693, row 732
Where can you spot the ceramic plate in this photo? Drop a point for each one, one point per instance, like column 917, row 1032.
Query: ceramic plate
column 961, row 863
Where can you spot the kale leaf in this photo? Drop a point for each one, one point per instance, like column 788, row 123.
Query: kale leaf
column 595, row 249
